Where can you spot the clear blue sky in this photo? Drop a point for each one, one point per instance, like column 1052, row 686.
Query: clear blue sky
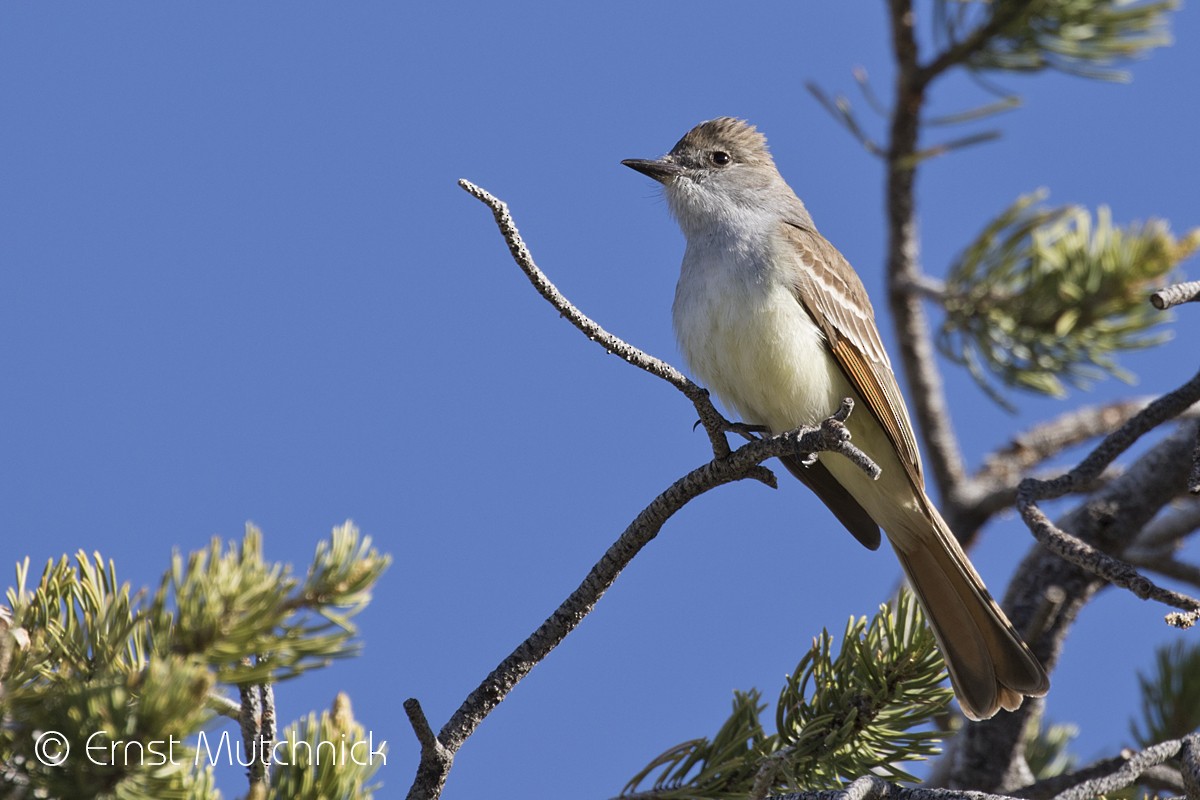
column 240, row 284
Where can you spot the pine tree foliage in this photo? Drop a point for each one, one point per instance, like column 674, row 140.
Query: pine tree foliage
column 104, row 692
column 1046, row 750
column 864, row 709
column 314, row 739
column 1044, row 296
column 1170, row 695
column 1080, row 37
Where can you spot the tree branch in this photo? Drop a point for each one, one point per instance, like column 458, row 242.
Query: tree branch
column 870, row 787
column 1174, row 295
column 831, row 436
column 436, row 758
column 994, row 487
column 1103, row 777
column 1189, row 760
column 1165, row 531
column 1114, row 570
column 1048, row 439
column 903, row 269
column 1108, row 520
column 714, row 424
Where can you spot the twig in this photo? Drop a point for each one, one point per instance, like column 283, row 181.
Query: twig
column 641, row 531
column 994, row 487
column 839, row 109
column 928, row 287
column 1174, row 295
column 1081, row 553
column 954, row 144
column 1103, row 777
column 224, row 706
column 436, row 758
column 1164, row 408
column 1164, row 564
column 868, row 93
column 714, row 423
column 1049, row 438
column 870, row 787
column 1114, row 570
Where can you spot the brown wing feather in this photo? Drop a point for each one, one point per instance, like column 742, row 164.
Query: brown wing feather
column 854, row 517
column 831, row 291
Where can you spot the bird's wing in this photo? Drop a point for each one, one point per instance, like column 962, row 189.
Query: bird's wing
column 830, row 290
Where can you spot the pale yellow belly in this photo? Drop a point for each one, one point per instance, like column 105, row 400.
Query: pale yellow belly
column 769, row 364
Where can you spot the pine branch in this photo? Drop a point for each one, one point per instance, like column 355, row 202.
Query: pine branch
column 868, row 707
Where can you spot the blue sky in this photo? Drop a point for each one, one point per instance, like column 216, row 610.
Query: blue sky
column 240, row 284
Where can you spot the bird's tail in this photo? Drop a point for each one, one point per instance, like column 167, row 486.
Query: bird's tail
column 990, row 666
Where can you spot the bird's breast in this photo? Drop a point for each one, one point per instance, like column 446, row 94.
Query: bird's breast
column 746, row 337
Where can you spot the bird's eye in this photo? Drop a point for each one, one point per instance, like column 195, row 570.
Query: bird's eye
column 720, row 158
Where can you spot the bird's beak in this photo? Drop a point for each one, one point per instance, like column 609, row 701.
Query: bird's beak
column 661, row 169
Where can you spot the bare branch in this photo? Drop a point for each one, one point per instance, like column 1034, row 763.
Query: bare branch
column 222, row 705
column 1167, row 529
column 994, row 487
column 1164, row 564
column 1189, row 760
column 1048, row 439
column 1174, row 295
column 955, row 144
column 1103, row 777
column 1079, row 552
column 1108, row 520
column 831, row 436
column 1113, row 570
column 840, row 110
column 713, row 422
column 903, row 268
column 436, row 759
column 1164, row 408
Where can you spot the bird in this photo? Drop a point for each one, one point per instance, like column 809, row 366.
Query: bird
column 771, row 316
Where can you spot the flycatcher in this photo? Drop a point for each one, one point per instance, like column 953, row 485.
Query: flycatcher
column 772, row 317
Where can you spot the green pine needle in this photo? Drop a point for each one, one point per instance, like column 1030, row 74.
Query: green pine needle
column 1080, row 37
column 85, row 658
column 864, row 709
column 1047, row 297
column 1170, row 695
